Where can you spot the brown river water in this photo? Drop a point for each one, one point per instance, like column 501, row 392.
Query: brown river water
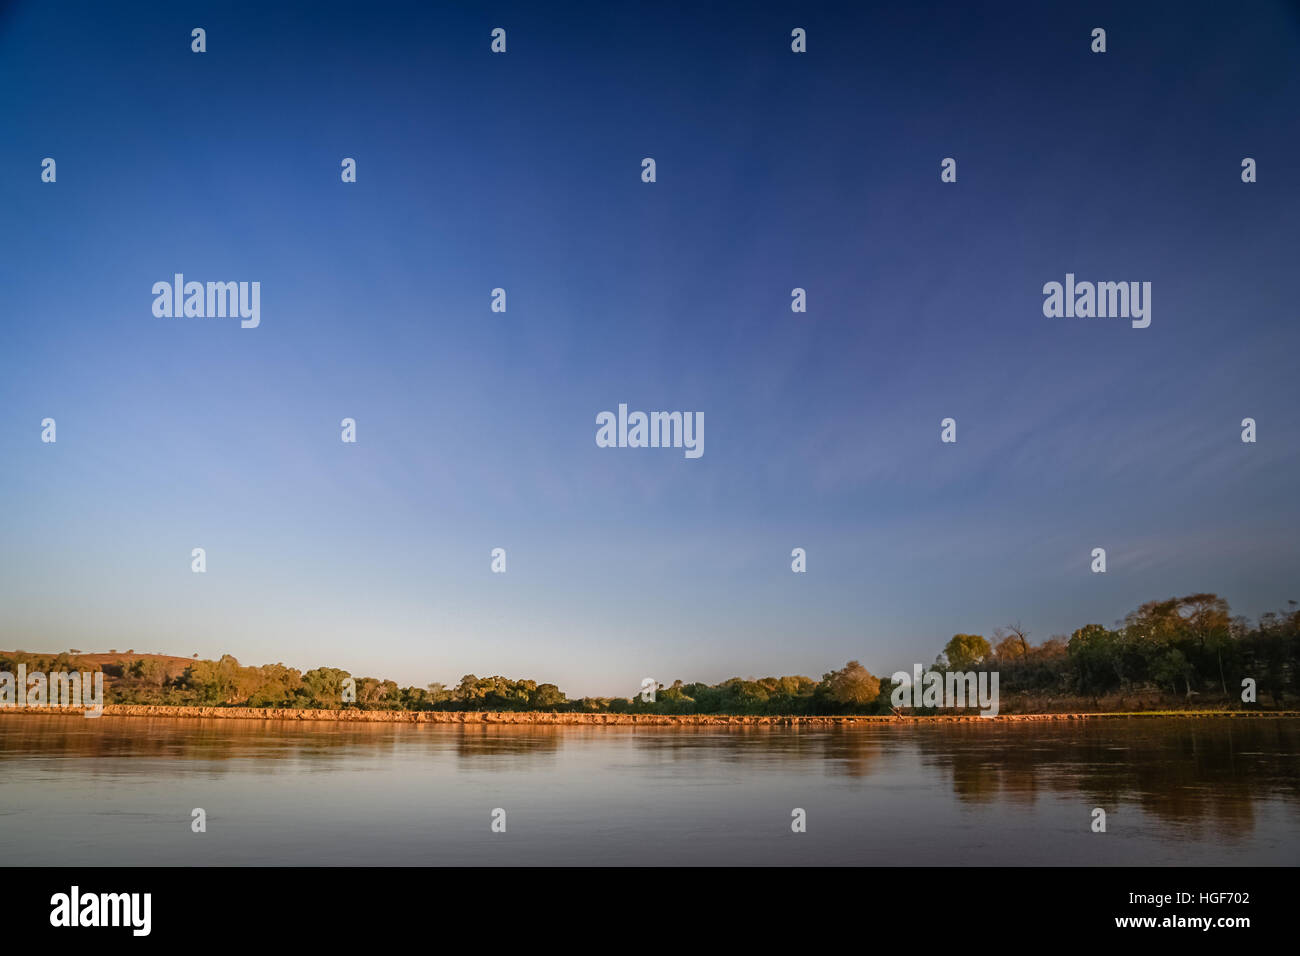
column 121, row 790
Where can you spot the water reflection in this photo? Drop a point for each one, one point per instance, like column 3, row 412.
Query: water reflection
column 1183, row 771
column 1216, row 781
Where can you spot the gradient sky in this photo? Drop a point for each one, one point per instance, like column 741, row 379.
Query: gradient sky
column 477, row 430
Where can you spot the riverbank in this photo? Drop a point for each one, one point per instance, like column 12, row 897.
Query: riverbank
column 583, row 719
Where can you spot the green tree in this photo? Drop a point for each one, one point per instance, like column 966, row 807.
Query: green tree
column 852, row 687
column 547, row 697
column 1171, row 667
column 965, row 651
column 324, row 687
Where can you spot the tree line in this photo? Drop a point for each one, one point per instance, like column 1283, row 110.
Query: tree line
column 1189, row 647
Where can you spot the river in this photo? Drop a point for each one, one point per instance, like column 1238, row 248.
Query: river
column 121, row 790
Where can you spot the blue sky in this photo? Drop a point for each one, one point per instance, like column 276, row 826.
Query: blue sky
column 476, row 430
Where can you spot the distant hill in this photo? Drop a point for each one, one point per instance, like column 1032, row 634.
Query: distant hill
column 112, row 663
